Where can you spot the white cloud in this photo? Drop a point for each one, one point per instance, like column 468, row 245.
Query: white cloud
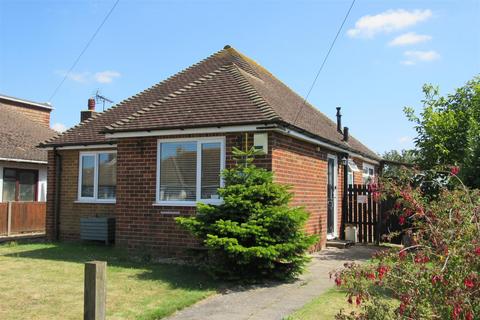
column 420, row 56
column 106, row 76
column 387, row 21
column 404, row 140
column 59, row 127
column 409, row 38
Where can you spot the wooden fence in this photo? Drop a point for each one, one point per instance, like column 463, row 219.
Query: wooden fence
column 22, row 217
column 362, row 212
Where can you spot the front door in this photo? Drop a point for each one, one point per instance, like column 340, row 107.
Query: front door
column 331, row 197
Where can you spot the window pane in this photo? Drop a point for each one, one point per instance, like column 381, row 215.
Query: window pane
column 210, row 170
column 8, row 190
column 27, row 182
column 178, row 167
column 88, row 171
column 107, row 175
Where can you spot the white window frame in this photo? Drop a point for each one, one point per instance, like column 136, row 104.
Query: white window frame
column 93, row 199
column 368, row 175
column 199, row 142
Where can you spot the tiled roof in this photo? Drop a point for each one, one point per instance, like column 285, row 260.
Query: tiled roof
column 19, row 137
column 227, row 88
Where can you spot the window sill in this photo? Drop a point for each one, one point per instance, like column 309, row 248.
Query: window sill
column 94, row 201
column 183, row 203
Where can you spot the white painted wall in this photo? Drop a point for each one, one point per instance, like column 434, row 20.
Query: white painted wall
column 42, row 185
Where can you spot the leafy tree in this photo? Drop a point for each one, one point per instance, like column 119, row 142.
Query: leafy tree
column 254, row 233
column 398, row 157
column 448, row 130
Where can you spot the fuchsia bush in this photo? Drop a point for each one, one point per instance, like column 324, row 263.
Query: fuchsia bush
column 437, row 275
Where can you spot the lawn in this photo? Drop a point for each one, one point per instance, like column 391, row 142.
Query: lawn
column 45, row 281
column 325, row 306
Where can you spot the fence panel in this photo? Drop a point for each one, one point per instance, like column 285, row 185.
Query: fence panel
column 23, row 217
column 3, row 218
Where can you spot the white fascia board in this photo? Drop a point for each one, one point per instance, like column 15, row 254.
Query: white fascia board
column 304, row 137
column 82, row 147
column 33, row 103
column 23, row 160
column 156, row 133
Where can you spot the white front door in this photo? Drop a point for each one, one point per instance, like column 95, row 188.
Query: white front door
column 332, row 199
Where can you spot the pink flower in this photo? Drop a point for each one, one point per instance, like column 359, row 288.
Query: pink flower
column 338, row 282
column 469, row 315
column 454, row 170
column 358, row 300
column 468, row 282
column 371, row 276
column 456, row 311
column 477, row 251
column 401, row 220
column 436, row 278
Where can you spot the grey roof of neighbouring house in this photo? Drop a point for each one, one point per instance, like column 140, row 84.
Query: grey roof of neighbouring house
column 224, row 89
column 19, row 137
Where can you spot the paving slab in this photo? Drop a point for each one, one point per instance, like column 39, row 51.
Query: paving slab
column 276, row 300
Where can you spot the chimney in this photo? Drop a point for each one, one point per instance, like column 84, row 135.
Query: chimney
column 345, row 134
column 87, row 114
column 339, row 120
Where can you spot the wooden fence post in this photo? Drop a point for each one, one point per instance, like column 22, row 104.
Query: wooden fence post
column 95, row 294
column 9, row 218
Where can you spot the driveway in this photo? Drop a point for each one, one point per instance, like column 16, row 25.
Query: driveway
column 275, row 301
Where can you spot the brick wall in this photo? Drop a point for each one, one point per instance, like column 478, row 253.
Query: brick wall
column 304, row 166
column 141, row 226
column 34, row 113
column 70, row 210
column 145, row 227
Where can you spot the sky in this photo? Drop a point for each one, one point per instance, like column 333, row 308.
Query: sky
column 386, row 51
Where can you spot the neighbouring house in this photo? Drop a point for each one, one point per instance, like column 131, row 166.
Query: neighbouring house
column 153, row 156
column 23, row 166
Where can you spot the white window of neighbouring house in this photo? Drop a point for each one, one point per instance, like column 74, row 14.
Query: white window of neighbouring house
column 352, row 167
column 97, row 179
column 189, row 170
column 368, row 173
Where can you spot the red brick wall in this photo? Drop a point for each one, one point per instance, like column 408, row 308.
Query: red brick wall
column 304, row 166
column 37, row 114
column 70, row 210
column 140, row 224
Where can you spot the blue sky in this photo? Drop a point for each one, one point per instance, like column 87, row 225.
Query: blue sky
column 386, row 52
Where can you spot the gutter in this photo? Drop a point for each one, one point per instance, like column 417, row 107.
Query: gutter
column 24, row 160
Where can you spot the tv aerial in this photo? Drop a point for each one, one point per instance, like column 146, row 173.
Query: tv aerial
column 101, row 99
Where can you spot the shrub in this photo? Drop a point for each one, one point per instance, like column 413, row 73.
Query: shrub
column 254, row 234
column 437, row 275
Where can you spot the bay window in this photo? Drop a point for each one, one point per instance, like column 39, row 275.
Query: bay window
column 189, row 170
column 97, row 179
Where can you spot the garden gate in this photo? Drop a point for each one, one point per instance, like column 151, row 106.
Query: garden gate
column 362, row 212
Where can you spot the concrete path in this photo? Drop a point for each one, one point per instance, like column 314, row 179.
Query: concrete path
column 275, row 301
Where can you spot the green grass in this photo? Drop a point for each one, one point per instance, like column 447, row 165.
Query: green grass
column 45, row 281
column 324, row 307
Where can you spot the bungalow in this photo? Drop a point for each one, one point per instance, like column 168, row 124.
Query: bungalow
column 153, row 156
column 23, row 167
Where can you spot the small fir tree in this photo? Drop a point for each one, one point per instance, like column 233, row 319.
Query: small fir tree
column 254, row 234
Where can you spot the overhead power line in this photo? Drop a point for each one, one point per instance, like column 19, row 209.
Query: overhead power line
column 323, row 63
column 83, row 51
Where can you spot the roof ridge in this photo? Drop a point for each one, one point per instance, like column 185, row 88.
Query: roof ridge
column 201, row 79
column 251, row 92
